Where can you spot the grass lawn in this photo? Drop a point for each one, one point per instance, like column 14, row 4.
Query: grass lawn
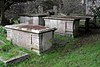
column 77, row 53
column 12, row 53
column 85, row 56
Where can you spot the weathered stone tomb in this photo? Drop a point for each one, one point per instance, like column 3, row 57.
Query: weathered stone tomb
column 33, row 37
column 64, row 25
column 36, row 19
column 68, row 25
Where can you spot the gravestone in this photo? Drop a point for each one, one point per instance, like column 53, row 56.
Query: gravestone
column 40, row 9
column 55, row 9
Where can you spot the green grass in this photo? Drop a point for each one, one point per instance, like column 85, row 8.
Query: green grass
column 12, row 53
column 69, row 55
column 85, row 56
column 65, row 56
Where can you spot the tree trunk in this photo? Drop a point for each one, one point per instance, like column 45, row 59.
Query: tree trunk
column 2, row 18
column 2, row 14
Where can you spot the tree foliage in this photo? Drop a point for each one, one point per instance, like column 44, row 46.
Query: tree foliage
column 5, row 5
column 72, row 6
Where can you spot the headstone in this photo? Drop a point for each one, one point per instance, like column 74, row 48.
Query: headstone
column 40, row 9
column 55, row 9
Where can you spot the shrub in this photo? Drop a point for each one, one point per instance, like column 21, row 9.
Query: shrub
column 96, row 13
column 5, row 48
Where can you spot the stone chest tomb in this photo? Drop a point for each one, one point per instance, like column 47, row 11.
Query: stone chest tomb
column 33, row 37
column 64, row 24
column 67, row 24
column 36, row 19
